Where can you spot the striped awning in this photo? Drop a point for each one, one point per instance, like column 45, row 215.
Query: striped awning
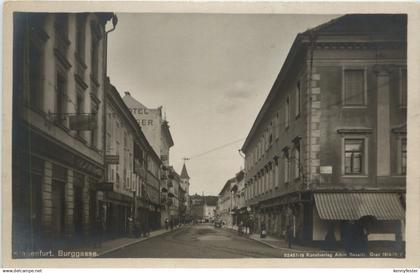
column 353, row 206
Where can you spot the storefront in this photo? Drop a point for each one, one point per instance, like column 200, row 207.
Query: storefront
column 51, row 199
column 359, row 218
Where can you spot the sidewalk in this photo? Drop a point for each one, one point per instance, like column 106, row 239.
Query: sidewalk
column 276, row 243
column 281, row 244
column 113, row 245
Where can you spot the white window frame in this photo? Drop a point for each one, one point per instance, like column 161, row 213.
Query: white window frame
column 365, row 138
column 343, row 86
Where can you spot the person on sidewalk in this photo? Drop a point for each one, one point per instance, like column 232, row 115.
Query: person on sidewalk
column 146, row 227
column 263, row 230
column 289, row 235
column 166, row 224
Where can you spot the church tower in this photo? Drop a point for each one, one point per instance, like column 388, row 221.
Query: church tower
column 185, row 179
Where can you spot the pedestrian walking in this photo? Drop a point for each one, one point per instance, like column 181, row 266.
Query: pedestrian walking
column 166, row 224
column 263, row 230
column 240, row 226
column 364, row 240
column 146, row 227
column 289, row 235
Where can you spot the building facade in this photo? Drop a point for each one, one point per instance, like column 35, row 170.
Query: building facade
column 327, row 152
column 132, row 168
column 59, row 68
column 225, row 202
column 154, row 126
column 209, row 208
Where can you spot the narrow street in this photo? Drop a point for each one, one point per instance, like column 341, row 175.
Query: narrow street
column 198, row 241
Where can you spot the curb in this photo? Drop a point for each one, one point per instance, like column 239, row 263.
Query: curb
column 132, row 243
column 276, row 247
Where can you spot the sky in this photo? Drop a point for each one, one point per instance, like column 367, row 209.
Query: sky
column 210, row 72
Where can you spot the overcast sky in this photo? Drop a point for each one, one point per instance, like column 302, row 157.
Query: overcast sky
column 211, row 74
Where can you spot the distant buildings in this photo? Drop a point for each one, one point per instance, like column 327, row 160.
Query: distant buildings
column 203, row 207
column 327, row 153
column 231, row 207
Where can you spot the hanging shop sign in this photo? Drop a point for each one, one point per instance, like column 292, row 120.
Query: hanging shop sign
column 83, row 122
column 104, row 186
column 326, row 169
column 112, row 159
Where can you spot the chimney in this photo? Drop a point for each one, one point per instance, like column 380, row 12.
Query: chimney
column 127, row 93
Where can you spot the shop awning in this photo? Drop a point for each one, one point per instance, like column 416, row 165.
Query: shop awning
column 353, row 206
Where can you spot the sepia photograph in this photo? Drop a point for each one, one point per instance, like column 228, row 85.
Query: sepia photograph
column 208, row 135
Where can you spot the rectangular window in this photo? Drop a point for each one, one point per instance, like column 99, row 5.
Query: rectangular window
column 286, row 113
column 297, row 161
column 354, row 87
column 286, row 170
column 297, row 100
column 79, row 108
column 94, row 132
column 404, row 156
column 62, row 26
column 403, row 97
column 80, row 37
column 94, row 57
column 60, row 99
column 35, row 77
column 354, row 156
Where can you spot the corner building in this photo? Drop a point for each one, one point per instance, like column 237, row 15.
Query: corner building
column 327, row 151
column 59, row 68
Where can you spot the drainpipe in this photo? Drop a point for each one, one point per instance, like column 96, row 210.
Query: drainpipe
column 312, row 40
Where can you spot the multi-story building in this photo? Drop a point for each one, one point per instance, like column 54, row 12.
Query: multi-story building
column 327, row 152
column 154, row 126
column 152, row 188
column 173, row 193
column 59, row 68
column 239, row 209
column 132, row 189
column 182, row 204
column 209, row 208
column 156, row 130
column 225, row 202
column 197, row 204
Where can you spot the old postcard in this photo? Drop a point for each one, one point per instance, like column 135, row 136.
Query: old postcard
column 195, row 134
